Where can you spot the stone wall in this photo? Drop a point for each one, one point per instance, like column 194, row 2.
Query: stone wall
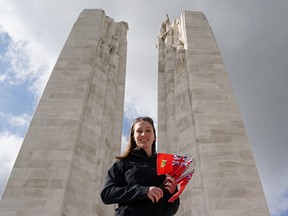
column 76, row 130
column 198, row 115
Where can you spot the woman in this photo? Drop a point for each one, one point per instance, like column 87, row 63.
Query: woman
column 132, row 181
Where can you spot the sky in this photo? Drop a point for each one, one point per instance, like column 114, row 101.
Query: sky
column 252, row 37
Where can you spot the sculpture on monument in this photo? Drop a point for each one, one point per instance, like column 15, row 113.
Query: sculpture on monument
column 113, row 35
column 104, row 50
column 114, row 44
column 165, row 27
column 171, row 36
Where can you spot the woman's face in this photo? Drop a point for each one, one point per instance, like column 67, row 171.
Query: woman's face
column 144, row 135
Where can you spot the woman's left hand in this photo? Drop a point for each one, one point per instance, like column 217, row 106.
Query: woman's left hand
column 170, row 184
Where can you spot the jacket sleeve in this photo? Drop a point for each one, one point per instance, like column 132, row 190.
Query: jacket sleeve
column 173, row 205
column 116, row 190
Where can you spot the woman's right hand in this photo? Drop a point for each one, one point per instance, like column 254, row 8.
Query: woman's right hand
column 170, row 184
column 155, row 193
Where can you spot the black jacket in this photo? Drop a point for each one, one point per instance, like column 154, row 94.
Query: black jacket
column 127, row 184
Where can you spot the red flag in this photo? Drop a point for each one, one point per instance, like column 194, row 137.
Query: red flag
column 182, row 169
column 171, row 164
column 182, row 182
column 164, row 163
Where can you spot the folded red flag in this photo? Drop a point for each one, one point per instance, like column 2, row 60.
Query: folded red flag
column 182, row 169
column 182, row 182
column 169, row 163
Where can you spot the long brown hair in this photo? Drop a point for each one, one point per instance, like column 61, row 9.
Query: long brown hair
column 132, row 143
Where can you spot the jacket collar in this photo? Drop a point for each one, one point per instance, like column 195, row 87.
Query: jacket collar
column 141, row 152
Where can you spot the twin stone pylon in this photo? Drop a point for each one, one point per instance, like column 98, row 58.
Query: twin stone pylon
column 198, row 115
column 76, row 129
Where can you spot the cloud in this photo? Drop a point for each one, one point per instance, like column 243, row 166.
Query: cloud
column 276, row 189
column 22, row 63
column 10, row 143
column 22, row 120
column 124, row 143
column 2, row 77
column 16, row 121
column 9, row 148
column 18, row 70
column 15, row 125
column 279, row 206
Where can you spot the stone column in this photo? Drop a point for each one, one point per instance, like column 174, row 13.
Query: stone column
column 198, row 115
column 75, row 132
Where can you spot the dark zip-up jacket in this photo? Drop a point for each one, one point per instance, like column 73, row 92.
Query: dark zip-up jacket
column 127, row 184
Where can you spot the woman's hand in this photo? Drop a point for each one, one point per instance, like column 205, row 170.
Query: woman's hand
column 155, row 193
column 170, row 184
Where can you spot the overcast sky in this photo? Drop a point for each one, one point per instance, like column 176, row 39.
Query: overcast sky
column 252, row 36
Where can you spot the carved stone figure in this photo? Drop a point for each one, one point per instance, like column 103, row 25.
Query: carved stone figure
column 103, row 50
column 108, row 20
column 180, row 53
column 114, row 44
column 169, row 36
column 99, row 47
column 122, row 29
column 179, row 26
column 163, row 30
column 111, row 30
column 125, row 24
column 164, row 27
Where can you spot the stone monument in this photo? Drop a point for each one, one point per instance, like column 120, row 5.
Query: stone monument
column 198, row 115
column 76, row 129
